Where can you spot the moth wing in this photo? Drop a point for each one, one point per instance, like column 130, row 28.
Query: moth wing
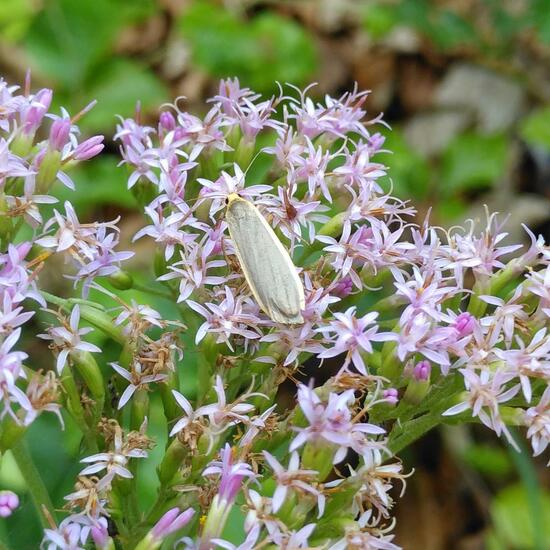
column 266, row 264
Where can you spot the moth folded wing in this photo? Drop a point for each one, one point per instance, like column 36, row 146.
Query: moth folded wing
column 266, row 264
column 285, row 312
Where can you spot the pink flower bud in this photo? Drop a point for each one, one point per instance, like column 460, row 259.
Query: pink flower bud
column 343, row 287
column 422, row 370
column 391, row 396
column 167, row 121
column 59, row 133
column 89, row 148
column 464, row 324
column 171, row 521
column 9, row 501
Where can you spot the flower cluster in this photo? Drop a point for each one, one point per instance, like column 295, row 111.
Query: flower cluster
column 30, row 166
column 408, row 322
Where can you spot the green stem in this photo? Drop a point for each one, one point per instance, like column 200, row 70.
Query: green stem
column 91, row 314
column 152, row 291
column 34, row 482
column 411, row 431
column 528, row 476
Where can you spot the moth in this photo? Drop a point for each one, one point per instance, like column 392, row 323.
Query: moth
column 266, row 264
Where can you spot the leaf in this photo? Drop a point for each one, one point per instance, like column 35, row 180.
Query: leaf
column 513, row 525
column 450, row 30
column 491, row 461
column 15, row 18
column 535, row 129
column 266, row 49
column 68, row 37
column 541, row 19
column 379, row 19
column 118, row 87
column 473, row 161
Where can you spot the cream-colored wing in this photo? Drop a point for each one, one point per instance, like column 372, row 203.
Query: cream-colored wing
column 266, row 264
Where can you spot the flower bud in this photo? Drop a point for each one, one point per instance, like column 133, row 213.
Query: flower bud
column 391, row 396
column 121, row 280
column 167, row 122
column 419, row 384
column 169, row 523
column 343, row 287
column 318, row 456
column 89, row 148
column 91, row 373
column 59, row 133
column 172, row 460
column 465, row 323
column 422, row 370
column 9, row 501
column 245, row 151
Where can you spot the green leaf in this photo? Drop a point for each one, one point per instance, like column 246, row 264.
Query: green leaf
column 535, row 129
column 473, row 161
column 379, row 19
column 491, row 461
column 513, row 525
column 541, row 19
column 69, row 36
column 451, row 31
column 70, row 39
column 15, row 18
column 117, row 88
column 287, row 51
column 266, row 49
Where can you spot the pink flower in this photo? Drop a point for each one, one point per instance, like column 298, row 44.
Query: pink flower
column 67, row 339
column 485, row 392
column 351, row 335
column 232, row 474
column 294, row 479
column 537, row 420
column 332, row 422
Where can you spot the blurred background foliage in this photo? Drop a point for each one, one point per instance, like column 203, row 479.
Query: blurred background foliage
column 465, row 85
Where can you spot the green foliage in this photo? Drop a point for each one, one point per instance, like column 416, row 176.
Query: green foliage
column 97, row 183
column 535, row 129
column 449, row 28
column 473, row 161
column 489, row 460
column 71, row 42
column 513, row 522
column 15, row 18
column 120, row 85
column 445, row 28
column 540, row 19
column 261, row 51
column 409, row 172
